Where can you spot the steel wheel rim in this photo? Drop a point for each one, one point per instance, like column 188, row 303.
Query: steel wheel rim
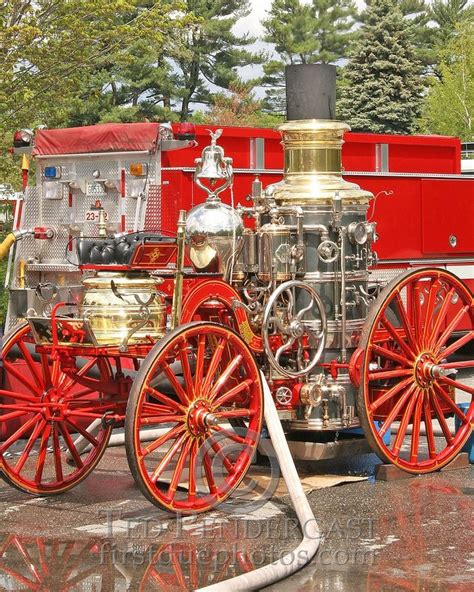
column 417, row 364
column 193, row 441
column 44, row 437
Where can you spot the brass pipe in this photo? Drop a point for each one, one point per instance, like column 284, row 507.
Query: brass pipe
column 178, row 283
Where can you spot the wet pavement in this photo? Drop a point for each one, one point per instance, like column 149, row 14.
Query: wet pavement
column 412, row 534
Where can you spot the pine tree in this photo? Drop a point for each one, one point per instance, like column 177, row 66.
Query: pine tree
column 382, row 79
column 209, row 53
column 448, row 14
column 303, row 34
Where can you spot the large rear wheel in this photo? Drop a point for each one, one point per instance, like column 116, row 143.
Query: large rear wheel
column 42, row 411
column 414, row 375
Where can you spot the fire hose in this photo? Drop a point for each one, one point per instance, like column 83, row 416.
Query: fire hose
column 306, row 550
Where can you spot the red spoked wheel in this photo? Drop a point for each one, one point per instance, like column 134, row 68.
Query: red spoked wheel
column 43, row 411
column 192, row 384
column 413, row 373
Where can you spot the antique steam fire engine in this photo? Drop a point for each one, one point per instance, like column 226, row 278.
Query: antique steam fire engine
column 172, row 336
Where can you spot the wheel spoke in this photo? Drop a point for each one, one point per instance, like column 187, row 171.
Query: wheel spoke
column 154, row 419
column 235, row 413
column 390, row 355
column 164, row 462
column 406, row 325
column 46, row 371
column 441, row 419
column 164, row 399
column 178, row 389
column 402, row 429
column 19, row 396
column 82, row 393
column 229, row 434
column 31, row 364
column 396, row 337
column 220, row 454
column 42, row 454
column 24, row 381
column 449, row 402
column 84, row 433
column 178, row 471
column 429, row 426
column 224, row 377
column 430, row 303
column 209, row 476
column 389, row 394
column 57, row 454
column 192, row 470
column 456, row 384
column 68, row 381
column 443, row 311
column 415, row 437
column 19, row 433
column 229, row 395
column 417, row 321
column 29, row 446
column 395, row 411
column 188, row 377
column 13, row 414
column 215, row 361
column 171, row 435
column 201, row 348
column 71, row 446
column 385, row 374
column 465, row 339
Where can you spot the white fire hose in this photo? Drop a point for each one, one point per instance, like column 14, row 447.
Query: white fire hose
column 306, row 550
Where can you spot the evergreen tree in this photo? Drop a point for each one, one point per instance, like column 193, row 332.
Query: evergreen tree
column 304, row 33
column 382, row 79
column 449, row 106
column 209, row 53
column 448, row 14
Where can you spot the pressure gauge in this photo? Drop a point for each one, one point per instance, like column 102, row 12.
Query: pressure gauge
column 357, row 232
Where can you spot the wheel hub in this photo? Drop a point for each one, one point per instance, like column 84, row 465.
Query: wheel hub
column 54, row 405
column 427, row 370
column 200, row 418
column 296, row 329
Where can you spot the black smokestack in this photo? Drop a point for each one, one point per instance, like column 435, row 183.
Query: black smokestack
column 310, row 91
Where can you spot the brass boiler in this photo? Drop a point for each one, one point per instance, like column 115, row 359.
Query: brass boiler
column 124, row 309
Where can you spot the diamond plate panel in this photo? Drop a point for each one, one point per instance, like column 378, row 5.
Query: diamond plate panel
column 153, row 209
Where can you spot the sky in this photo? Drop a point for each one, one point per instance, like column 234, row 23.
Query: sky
column 251, row 24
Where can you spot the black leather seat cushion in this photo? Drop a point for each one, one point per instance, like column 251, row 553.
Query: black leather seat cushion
column 115, row 251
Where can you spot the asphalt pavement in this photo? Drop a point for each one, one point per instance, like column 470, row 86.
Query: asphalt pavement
column 411, row 534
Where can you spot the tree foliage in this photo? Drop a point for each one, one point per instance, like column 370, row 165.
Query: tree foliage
column 302, row 34
column 449, row 107
column 209, row 53
column 382, row 79
column 59, row 58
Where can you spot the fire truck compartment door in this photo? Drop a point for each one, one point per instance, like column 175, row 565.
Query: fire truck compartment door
column 447, row 216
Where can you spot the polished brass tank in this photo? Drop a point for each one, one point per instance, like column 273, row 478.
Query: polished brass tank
column 124, row 309
column 313, row 170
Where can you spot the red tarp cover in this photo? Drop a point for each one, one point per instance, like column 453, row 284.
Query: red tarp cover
column 106, row 137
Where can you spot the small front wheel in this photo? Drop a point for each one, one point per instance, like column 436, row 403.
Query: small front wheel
column 182, row 448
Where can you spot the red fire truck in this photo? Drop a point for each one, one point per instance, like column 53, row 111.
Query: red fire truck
column 423, row 206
